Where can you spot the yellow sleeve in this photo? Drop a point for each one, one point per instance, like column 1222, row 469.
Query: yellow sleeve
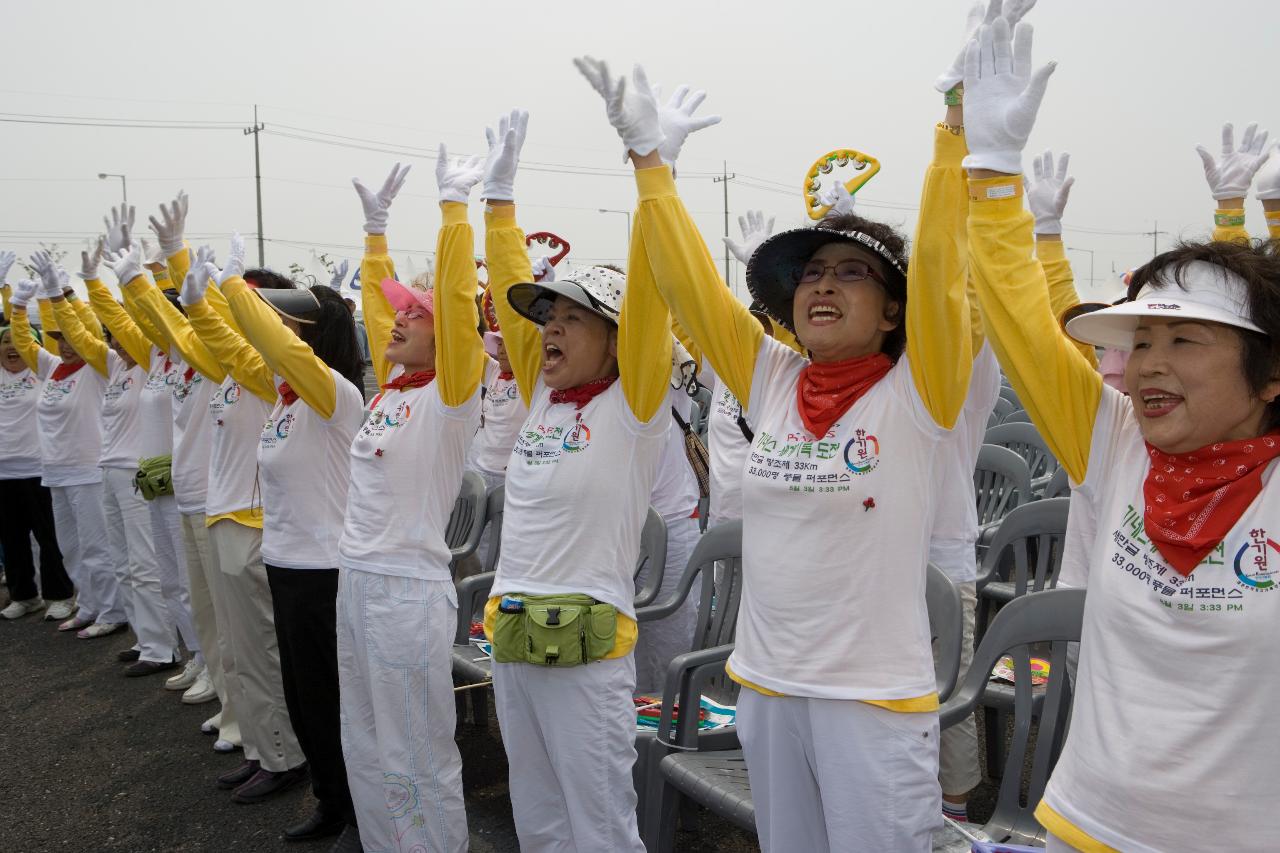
column 91, row 349
column 48, row 323
column 23, row 341
column 378, row 313
column 177, row 266
column 218, row 302
column 282, row 350
column 5, row 292
column 459, row 350
column 241, row 360
column 1228, row 225
column 687, row 342
column 668, row 251
column 937, row 283
column 1058, row 387
column 145, row 324
column 1052, row 255
column 644, row 335
column 175, row 328
column 507, row 259
column 1273, row 224
column 88, row 319
column 118, row 322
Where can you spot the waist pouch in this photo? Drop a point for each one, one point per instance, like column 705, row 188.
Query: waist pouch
column 155, row 477
column 553, row 630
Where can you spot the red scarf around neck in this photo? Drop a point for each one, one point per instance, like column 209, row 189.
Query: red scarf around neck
column 62, row 371
column 827, row 390
column 1194, row 499
column 287, row 393
column 506, row 375
column 584, row 393
column 405, row 381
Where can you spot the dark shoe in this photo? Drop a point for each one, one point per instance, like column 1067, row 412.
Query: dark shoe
column 128, row 655
column 348, row 842
column 319, row 825
column 265, row 784
column 140, row 668
column 236, row 778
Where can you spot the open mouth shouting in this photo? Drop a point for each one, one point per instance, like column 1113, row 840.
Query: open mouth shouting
column 552, row 356
column 824, row 314
column 1156, row 402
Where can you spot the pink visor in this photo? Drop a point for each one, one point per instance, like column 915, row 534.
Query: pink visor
column 403, row 298
column 491, row 340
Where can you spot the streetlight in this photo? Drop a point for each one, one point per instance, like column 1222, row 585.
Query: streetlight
column 1090, row 251
column 625, row 213
column 124, row 189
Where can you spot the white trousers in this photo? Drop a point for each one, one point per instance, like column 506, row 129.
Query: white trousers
column 138, row 576
column 958, row 754
column 166, row 531
column 834, row 774
column 204, row 580
column 570, row 737
column 660, row 642
column 256, row 687
column 81, row 527
column 395, row 640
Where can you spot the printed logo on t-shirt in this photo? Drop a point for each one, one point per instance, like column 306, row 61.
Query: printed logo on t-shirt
column 12, row 390
column 383, row 417
column 55, row 389
column 577, row 439
column 275, row 432
column 544, row 445
column 182, row 387
column 160, row 378
column 804, row 464
column 862, row 453
column 116, row 390
column 1253, row 568
column 219, row 403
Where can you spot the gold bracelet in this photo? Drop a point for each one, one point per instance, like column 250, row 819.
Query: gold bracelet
column 953, row 129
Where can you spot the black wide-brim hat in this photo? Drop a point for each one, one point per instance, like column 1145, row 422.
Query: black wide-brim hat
column 297, row 304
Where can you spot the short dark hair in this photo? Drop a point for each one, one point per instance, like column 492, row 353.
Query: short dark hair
column 1257, row 263
column 619, row 270
column 332, row 337
column 268, row 279
column 895, row 342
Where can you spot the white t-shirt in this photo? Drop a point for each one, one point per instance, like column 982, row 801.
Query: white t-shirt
column 19, row 433
column 121, row 436
column 1170, row 745
column 304, row 465
column 955, row 526
column 578, row 491
column 69, row 412
column 237, row 415
column 727, row 447
column 189, row 403
column 155, row 405
column 407, row 461
column 835, row 540
column 675, row 486
column 503, row 413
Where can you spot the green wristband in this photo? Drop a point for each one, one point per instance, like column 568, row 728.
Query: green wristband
column 1228, row 220
column 954, row 96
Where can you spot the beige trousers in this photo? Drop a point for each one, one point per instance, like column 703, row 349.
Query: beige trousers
column 208, row 609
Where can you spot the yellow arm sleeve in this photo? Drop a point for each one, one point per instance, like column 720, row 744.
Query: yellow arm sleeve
column 644, row 336
column 508, row 263
column 118, row 322
column 23, row 341
column 1229, row 232
column 177, row 266
column 145, row 324
column 241, row 360
column 175, row 328
column 1273, row 224
column 1058, row 387
column 48, row 323
column 91, row 349
column 282, row 350
column 218, row 302
column 1052, row 255
column 88, row 319
column 378, row 314
column 5, row 292
column 937, row 282
column 687, row 342
column 459, row 350
column 668, row 251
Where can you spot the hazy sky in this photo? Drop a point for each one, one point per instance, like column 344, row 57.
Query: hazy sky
column 1139, row 84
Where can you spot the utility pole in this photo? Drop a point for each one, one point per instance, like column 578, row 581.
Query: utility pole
column 1154, row 234
column 1090, row 251
column 725, row 178
column 257, row 179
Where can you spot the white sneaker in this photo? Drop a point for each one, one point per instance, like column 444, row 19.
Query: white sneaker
column 59, row 610
column 201, row 690
column 210, row 726
column 186, row 678
column 18, row 609
column 228, row 738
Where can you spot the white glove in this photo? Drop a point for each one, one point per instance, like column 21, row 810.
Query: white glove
column 677, row 121
column 504, row 156
column 543, row 271
column 235, row 260
column 754, row 232
column 64, row 284
column 91, row 261
column 127, row 265
column 837, row 198
column 173, row 219
column 1047, row 195
column 456, row 181
column 1230, row 176
column 151, row 253
column 49, row 287
column 340, row 275
column 376, row 206
column 979, row 15
column 119, row 227
column 198, row 276
column 23, row 292
column 6, row 261
column 633, row 113
column 1001, row 96
column 1267, row 182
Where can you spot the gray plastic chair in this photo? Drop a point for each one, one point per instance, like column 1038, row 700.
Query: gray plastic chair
column 1003, row 407
column 1054, row 618
column 700, row 415
column 993, row 419
column 495, row 505
column 1017, row 416
column 1007, row 393
column 462, row 534
column 1028, row 542
column 1058, row 486
column 653, row 553
column 1024, row 440
column 946, row 627
column 1001, row 482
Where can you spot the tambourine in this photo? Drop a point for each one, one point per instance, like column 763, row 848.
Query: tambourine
column 552, row 242
column 866, row 165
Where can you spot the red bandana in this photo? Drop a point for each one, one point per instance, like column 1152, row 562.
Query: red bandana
column 405, row 381
column 1194, row 499
column 62, row 371
column 506, row 375
column 188, row 373
column 584, row 393
column 826, row 391
column 287, row 394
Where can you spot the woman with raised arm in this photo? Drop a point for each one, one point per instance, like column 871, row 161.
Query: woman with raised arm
column 397, row 608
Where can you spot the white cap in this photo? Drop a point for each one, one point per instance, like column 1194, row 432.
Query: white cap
column 1206, row 292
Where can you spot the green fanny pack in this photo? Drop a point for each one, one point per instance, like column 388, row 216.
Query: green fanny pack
column 553, row 630
column 155, row 477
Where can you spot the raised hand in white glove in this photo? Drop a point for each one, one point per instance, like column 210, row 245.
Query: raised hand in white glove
column 1001, row 96
column 23, row 292
column 979, row 14
column 91, row 261
column 504, row 156
column 543, row 271
column 1267, row 183
column 377, row 204
column 127, row 265
column 6, row 261
column 235, row 260
column 151, row 253
column 202, row 270
column 64, row 284
column 49, row 287
column 340, row 275
column 119, row 227
column 837, row 198
column 170, row 226
column 677, row 120
column 455, row 182
column 754, row 232
column 1229, row 176
column 1047, row 194
column 633, row 111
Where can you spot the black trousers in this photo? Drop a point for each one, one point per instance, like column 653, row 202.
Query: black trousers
column 28, row 510
column 305, row 604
